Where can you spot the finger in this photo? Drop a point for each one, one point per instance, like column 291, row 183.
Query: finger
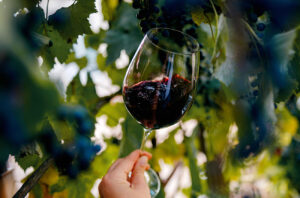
column 144, row 153
column 125, row 165
column 138, row 179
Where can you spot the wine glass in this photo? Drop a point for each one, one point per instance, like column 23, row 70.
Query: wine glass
column 160, row 82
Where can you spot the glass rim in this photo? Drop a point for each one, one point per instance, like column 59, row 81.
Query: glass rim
column 170, row 51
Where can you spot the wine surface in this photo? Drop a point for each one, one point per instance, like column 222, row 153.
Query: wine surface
column 158, row 103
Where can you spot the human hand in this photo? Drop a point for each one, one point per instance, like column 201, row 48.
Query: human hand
column 117, row 184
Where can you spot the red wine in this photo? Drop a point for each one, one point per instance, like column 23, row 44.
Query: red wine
column 158, row 103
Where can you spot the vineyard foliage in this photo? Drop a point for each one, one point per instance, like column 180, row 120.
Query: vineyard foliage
column 245, row 137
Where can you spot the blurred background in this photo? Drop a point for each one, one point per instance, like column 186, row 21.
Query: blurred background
column 63, row 120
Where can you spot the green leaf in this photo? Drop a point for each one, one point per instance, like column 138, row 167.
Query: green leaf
column 124, row 34
column 132, row 136
column 84, row 95
column 114, row 113
column 73, row 21
column 108, row 8
column 57, row 47
column 294, row 67
column 94, row 40
column 200, row 16
column 81, row 62
column 37, row 191
column 116, row 75
column 281, row 49
column 169, row 150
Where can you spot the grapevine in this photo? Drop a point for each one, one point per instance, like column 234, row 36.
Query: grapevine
column 246, row 108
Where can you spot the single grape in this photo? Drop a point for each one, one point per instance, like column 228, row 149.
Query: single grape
column 144, row 23
column 261, row 27
column 254, row 84
column 96, row 148
column 256, row 93
column 166, row 33
column 155, row 40
column 79, row 114
column 50, row 44
column 152, row 24
column 136, row 4
column 156, row 9
column 140, row 14
column 160, row 19
column 202, row 57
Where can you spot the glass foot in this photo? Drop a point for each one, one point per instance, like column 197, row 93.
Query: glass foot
column 153, row 182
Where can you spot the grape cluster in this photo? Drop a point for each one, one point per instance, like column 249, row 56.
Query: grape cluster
column 13, row 129
column 172, row 14
column 73, row 156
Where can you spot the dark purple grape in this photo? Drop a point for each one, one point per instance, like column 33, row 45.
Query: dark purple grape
column 86, row 128
column 260, row 35
column 80, row 114
column 152, row 24
column 166, row 33
column 144, row 23
column 202, row 57
column 156, row 9
column 256, row 93
column 136, row 4
column 50, row 44
column 145, row 29
column 160, row 19
column 96, row 148
column 261, row 27
column 155, row 40
column 254, row 84
column 140, row 15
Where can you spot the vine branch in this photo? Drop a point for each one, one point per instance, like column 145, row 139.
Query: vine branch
column 47, row 8
column 166, row 181
column 34, row 178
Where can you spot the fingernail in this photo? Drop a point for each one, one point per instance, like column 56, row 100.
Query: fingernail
column 143, row 161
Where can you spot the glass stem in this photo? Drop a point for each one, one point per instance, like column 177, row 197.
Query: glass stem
column 145, row 137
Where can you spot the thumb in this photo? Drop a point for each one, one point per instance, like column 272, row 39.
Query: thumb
column 138, row 179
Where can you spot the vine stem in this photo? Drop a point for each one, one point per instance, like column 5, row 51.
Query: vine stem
column 34, row 178
column 47, row 8
column 217, row 31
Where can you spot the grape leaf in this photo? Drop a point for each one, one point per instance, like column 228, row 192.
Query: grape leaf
column 169, row 150
column 116, row 75
column 94, row 40
column 280, row 48
column 81, row 62
column 73, row 21
column 84, row 95
column 124, row 33
column 132, row 136
column 28, row 161
column 57, row 47
column 200, row 16
column 294, row 69
column 114, row 112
